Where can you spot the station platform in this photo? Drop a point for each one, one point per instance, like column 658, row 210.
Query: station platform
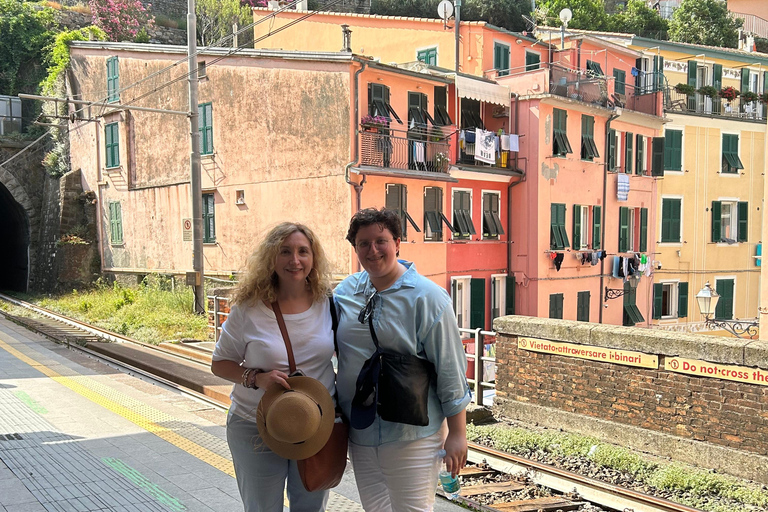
column 79, row 435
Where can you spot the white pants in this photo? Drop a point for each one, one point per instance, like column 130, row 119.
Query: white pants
column 399, row 476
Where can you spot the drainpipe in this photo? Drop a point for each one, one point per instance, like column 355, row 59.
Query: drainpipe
column 602, row 222
column 355, row 153
column 516, row 96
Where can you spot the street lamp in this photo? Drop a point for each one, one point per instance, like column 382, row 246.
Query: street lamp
column 565, row 16
column 615, row 293
column 707, row 299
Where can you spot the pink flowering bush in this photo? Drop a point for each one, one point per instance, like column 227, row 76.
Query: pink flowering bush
column 254, row 3
column 121, row 20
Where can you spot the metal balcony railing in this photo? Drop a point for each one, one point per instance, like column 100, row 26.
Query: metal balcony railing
column 578, row 85
column 414, row 150
column 699, row 104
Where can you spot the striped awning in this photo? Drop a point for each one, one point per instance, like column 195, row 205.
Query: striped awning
column 482, row 91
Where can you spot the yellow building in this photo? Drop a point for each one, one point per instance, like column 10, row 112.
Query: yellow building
column 712, row 196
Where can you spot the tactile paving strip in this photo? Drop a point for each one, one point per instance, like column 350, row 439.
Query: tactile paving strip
column 60, row 473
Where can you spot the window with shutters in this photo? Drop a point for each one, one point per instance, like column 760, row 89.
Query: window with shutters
column 491, row 218
column 560, row 144
column 556, row 305
column 558, row 237
column 582, row 306
column 620, row 77
column 730, row 221
column 463, row 227
column 673, row 150
column 532, row 61
column 460, row 295
column 632, row 314
column 731, row 163
column 502, row 295
column 597, row 227
column 433, row 214
column 113, row 80
column 594, row 69
column 670, row 300
column 633, row 229
column 209, row 219
column 614, row 151
column 115, row 223
column 724, row 307
column 501, row 59
column 441, row 106
column 427, row 56
column 205, row 111
column 378, row 102
column 671, row 209
column 397, row 200
column 657, row 156
column 588, row 147
column 629, row 140
column 112, row 145
column 582, row 228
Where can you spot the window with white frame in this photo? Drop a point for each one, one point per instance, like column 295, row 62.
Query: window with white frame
column 498, row 295
column 668, row 300
column 461, row 300
column 730, row 221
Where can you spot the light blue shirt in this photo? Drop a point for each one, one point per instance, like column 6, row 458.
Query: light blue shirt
column 413, row 316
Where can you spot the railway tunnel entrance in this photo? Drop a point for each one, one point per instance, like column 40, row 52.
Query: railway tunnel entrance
column 15, row 237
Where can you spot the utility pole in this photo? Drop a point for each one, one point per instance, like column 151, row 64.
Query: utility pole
column 458, row 22
column 196, row 191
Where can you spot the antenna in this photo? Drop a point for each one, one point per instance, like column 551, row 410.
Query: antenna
column 530, row 24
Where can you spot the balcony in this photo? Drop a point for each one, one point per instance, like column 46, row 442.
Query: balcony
column 407, row 150
column 698, row 104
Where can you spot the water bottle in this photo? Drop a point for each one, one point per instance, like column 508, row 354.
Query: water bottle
column 450, row 483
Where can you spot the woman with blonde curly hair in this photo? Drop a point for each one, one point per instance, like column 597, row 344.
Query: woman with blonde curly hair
column 288, row 268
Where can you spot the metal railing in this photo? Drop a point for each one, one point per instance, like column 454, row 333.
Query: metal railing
column 697, row 103
column 753, row 23
column 415, row 150
column 574, row 84
column 479, row 381
column 215, row 314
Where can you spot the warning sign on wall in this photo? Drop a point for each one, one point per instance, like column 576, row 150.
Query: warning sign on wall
column 720, row 371
column 186, row 230
column 608, row 355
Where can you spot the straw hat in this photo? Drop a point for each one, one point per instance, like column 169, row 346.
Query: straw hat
column 296, row 423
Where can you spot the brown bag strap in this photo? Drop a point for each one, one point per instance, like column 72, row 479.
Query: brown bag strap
column 284, row 332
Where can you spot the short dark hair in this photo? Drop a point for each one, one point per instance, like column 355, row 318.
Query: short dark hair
column 386, row 219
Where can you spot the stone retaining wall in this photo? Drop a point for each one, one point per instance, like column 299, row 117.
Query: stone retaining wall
column 712, row 422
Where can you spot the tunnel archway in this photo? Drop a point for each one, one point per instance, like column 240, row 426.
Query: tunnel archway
column 14, row 232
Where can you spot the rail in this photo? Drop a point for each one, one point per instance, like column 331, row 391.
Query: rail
column 477, row 362
column 700, row 104
column 415, row 150
column 216, row 314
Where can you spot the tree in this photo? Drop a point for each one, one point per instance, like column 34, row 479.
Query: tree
column 25, row 32
column 587, row 14
column 121, row 20
column 705, row 22
column 639, row 19
column 502, row 13
column 216, row 17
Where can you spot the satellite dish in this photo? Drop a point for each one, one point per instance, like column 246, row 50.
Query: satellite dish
column 565, row 16
column 445, row 9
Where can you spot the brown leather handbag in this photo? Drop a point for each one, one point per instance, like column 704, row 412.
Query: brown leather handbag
column 325, row 469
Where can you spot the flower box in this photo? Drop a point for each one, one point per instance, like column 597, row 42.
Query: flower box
column 728, row 93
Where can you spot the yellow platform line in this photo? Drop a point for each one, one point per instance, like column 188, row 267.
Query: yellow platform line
column 194, row 449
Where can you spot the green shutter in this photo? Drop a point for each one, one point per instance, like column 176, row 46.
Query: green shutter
column 582, row 307
column 692, row 72
column 209, row 220
column 112, row 145
column 673, row 150
column 623, row 229
column 724, row 308
column 556, row 305
column 577, row 227
column 717, row 76
column 716, row 221
column 611, row 150
column 561, row 224
column 658, row 291
column 743, row 225
column 657, row 156
column 115, row 223
column 509, row 307
column 477, row 303
column 620, row 78
column 643, row 229
column 639, row 155
column 682, row 300
column 597, row 227
column 532, row 61
column 744, row 79
column 675, row 217
column 629, row 138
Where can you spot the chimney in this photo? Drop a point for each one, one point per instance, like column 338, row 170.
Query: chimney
column 346, row 36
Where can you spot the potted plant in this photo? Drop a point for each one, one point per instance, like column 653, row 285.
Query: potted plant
column 708, row 91
column 764, row 97
column 749, row 96
column 369, row 123
column 685, row 89
column 728, row 93
column 436, row 134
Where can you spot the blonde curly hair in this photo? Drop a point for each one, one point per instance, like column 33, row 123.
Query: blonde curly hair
column 261, row 281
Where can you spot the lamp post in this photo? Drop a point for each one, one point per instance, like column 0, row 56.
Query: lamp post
column 707, row 299
column 565, row 16
column 615, row 293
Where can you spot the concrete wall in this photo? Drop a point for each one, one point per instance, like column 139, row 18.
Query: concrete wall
column 711, row 422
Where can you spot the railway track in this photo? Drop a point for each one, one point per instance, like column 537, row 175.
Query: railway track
column 493, row 473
